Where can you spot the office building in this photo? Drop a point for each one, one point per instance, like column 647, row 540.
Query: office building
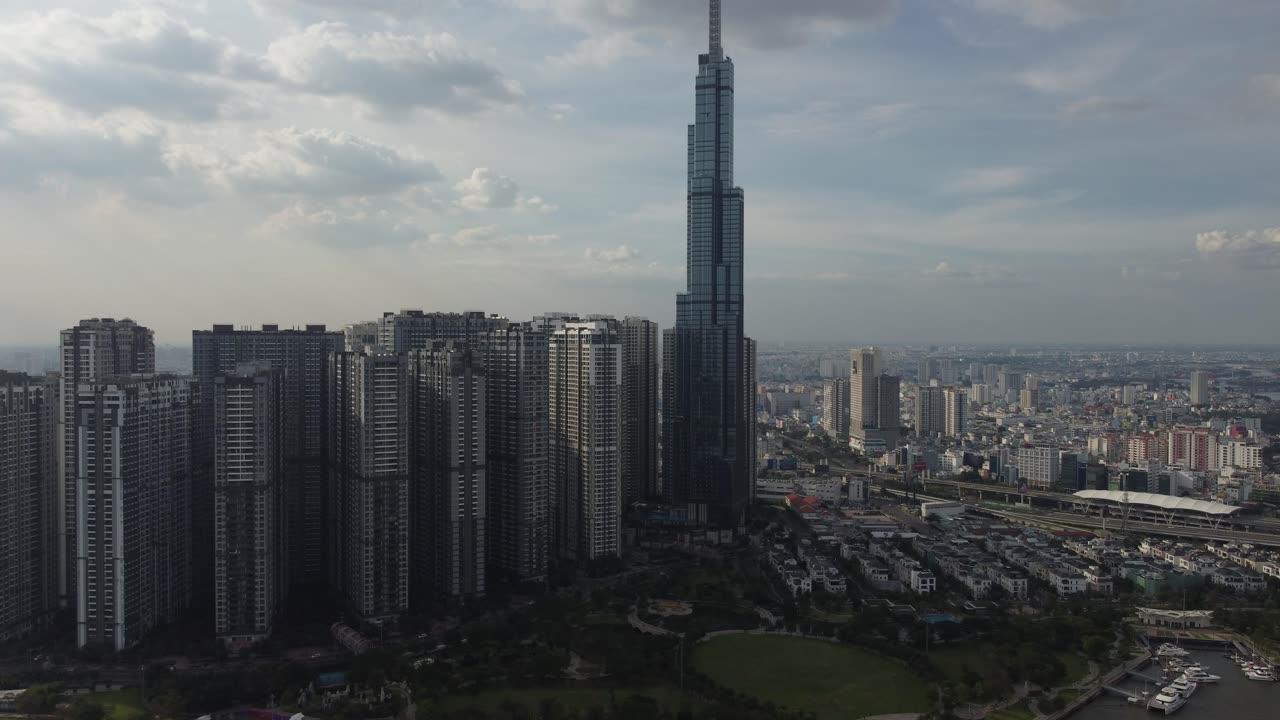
column 133, row 500
column 1200, row 388
column 410, row 330
column 584, row 415
column 358, row 336
column 863, row 398
column 249, row 572
column 956, row 411
column 707, row 430
column 369, row 459
column 1029, row 399
column 97, row 348
column 301, row 356
column 1008, row 386
column 517, row 439
column 835, row 407
column 926, row 371
column 1038, row 466
column 888, row 404
column 639, row 410
column 30, row 505
column 931, row 412
column 449, row 487
column 749, row 351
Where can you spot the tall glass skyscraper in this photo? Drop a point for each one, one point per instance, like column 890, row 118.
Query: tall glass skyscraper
column 706, row 421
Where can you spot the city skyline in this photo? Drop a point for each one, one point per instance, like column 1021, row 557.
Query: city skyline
column 1126, row 182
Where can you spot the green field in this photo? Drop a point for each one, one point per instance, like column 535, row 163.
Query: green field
column 578, row 699
column 119, row 704
column 836, row 682
column 1013, row 712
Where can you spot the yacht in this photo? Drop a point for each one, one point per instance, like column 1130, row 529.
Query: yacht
column 1182, row 686
column 1260, row 673
column 1168, row 702
column 1171, row 651
column 1200, row 675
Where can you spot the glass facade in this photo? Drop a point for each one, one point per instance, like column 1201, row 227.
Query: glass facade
column 707, row 423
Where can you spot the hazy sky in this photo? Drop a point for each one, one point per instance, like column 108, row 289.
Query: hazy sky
column 1004, row 170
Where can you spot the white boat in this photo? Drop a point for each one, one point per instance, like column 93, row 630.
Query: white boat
column 1200, row 676
column 1168, row 702
column 1183, row 687
column 1171, row 650
column 1261, row 674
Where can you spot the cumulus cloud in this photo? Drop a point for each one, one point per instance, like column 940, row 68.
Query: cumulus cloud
column 989, row 180
column 400, row 9
column 756, row 23
column 1050, row 14
column 487, row 236
column 1103, row 105
column 389, row 72
column 485, row 189
column 980, row 274
column 317, row 162
column 612, row 256
column 1252, row 250
column 351, row 224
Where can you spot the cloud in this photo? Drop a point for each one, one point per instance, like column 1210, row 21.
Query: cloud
column 617, row 255
column 351, row 224
column 138, row 58
column 399, row 9
column 1050, row 14
column 1251, row 250
column 1103, row 105
column 485, row 189
column 317, row 162
column 829, row 117
column 1075, row 73
column 487, row 237
column 560, row 111
column 1137, row 272
column 989, row 180
column 1268, row 86
column 614, row 26
column 390, row 73
column 979, row 274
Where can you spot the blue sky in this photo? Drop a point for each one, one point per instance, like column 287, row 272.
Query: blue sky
column 919, row 170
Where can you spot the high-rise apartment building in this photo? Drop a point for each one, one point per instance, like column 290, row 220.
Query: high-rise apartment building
column 1200, row 388
column 639, row 410
column 449, row 496
column 410, row 330
column 835, row 406
column 585, row 384
column 133, row 490
column 1029, row 399
column 97, row 348
column 707, row 431
column 301, row 356
column 981, row 393
column 30, row 505
column 369, row 461
column 1194, row 448
column 956, row 411
column 249, row 572
column 1038, row 466
column 358, row 336
column 750, row 392
column 515, row 359
column 931, row 414
column 1008, row 385
column 888, row 403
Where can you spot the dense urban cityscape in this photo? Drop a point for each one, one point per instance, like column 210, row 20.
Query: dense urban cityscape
column 451, row 513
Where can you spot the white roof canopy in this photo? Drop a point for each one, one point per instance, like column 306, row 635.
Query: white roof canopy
column 1165, row 502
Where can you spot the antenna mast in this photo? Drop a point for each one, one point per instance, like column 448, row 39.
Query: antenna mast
column 716, row 49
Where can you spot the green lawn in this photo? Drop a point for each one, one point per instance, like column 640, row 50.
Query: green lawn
column 119, row 704
column 578, row 699
column 833, row 681
column 1013, row 712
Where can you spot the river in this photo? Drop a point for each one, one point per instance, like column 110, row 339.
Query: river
column 1234, row 697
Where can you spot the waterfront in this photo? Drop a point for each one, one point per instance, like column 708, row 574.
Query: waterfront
column 1234, row 697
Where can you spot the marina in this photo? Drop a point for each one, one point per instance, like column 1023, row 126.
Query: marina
column 1194, row 684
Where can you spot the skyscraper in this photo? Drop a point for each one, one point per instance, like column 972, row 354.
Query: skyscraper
column 931, row 415
column 369, row 460
column 133, row 488
column 585, row 382
column 956, row 411
column 835, row 406
column 888, row 403
column 1199, row 387
column 449, row 494
column 249, row 572
column 410, row 330
column 97, row 348
column 639, row 409
column 515, row 359
column 29, row 503
column 864, row 368
column 301, row 356
column 706, row 425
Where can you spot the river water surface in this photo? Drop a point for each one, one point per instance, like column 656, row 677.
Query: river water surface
column 1234, row 697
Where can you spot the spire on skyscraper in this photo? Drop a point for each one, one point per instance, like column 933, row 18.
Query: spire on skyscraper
column 716, row 49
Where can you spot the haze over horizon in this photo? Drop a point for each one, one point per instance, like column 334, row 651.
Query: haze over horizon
column 952, row 171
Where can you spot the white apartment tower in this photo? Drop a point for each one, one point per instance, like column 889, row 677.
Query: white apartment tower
column 835, row 406
column 585, row 382
column 955, row 403
column 133, row 512
column 864, row 368
column 97, row 348
column 1200, row 388
column 369, row 463
column 249, row 557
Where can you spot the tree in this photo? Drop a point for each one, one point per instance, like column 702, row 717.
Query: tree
column 88, row 711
